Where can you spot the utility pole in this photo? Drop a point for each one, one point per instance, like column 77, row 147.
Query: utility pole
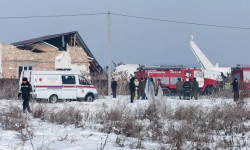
column 109, row 65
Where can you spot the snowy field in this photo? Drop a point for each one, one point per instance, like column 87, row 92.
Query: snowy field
column 90, row 132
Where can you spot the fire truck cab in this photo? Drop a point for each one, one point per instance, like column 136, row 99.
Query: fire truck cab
column 242, row 73
column 169, row 75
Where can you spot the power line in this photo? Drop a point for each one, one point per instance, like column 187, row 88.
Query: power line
column 130, row 16
column 182, row 22
column 53, row 16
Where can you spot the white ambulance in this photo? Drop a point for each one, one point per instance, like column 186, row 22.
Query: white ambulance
column 54, row 85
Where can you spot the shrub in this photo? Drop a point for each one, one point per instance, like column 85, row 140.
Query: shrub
column 100, row 81
column 12, row 118
column 189, row 127
column 9, row 88
column 65, row 116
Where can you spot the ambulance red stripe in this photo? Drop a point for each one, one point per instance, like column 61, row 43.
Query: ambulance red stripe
column 67, row 86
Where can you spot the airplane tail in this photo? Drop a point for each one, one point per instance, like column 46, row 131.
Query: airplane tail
column 204, row 62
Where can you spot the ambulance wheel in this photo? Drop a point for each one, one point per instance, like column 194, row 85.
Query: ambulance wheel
column 53, row 99
column 89, row 98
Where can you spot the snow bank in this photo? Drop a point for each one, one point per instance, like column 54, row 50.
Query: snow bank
column 53, row 136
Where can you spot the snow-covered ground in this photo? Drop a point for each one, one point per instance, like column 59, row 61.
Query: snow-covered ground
column 48, row 135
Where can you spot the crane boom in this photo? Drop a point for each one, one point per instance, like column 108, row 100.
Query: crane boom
column 204, row 62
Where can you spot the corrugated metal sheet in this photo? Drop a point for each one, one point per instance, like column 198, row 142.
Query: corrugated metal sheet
column 47, row 37
column 35, row 40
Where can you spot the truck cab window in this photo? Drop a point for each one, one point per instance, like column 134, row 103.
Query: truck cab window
column 197, row 74
column 67, row 79
column 83, row 81
column 188, row 74
column 246, row 75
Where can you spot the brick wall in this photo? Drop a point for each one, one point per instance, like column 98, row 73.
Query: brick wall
column 13, row 57
column 78, row 57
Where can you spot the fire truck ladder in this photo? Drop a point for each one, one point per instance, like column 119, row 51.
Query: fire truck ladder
column 161, row 67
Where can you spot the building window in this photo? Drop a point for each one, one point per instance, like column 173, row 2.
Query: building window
column 21, row 68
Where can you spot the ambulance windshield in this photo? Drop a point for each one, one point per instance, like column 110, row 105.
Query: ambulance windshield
column 83, row 81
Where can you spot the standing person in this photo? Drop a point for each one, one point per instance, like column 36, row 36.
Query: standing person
column 144, row 82
column 152, row 81
column 137, row 94
column 140, row 88
column 142, row 85
column 236, row 89
column 157, row 88
column 25, row 92
column 187, row 88
column 195, row 89
column 191, row 91
column 132, row 89
column 150, row 90
column 179, row 87
column 113, row 86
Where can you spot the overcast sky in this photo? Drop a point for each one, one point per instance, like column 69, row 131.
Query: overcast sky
column 135, row 40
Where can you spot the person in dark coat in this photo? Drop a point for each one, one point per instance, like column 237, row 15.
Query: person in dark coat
column 142, row 85
column 195, row 89
column 132, row 89
column 113, row 86
column 191, row 91
column 187, row 87
column 25, row 92
column 236, row 90
column 179, row 87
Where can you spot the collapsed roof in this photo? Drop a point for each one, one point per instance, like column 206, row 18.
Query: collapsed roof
column 58, row 42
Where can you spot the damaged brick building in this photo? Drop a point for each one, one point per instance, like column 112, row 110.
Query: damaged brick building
column 65, row 50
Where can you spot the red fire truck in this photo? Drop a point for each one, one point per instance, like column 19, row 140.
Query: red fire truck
column 242, row 73
column 169, row 75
